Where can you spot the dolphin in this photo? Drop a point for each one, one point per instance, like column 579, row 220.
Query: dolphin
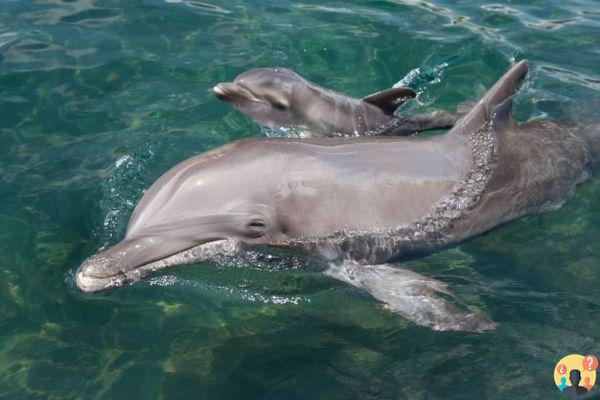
column 360, row 205
column 281, row 100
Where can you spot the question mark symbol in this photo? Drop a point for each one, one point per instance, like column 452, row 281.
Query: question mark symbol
column 590, row 363
column 562, row 369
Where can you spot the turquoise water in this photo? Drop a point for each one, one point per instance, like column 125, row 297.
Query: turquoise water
column 99, row 98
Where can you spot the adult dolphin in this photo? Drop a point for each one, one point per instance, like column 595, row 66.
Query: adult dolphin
column 359, row 204
column 281, row 100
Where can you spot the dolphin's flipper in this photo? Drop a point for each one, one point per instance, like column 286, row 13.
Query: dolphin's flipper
column 389, row 100
column 464, row 107
column 414, row 296
column 413, row 123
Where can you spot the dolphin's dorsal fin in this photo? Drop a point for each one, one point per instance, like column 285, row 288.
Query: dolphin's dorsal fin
column 389, row 100
column 486, row 108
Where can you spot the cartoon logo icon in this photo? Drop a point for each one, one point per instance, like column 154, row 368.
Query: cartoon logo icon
column 576, row 374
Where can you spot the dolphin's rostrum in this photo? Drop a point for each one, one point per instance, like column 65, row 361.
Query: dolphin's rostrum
column 359, row 204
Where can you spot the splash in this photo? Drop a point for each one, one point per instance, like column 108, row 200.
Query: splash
column 239, row 293
column 122, row 190
column 422, row 79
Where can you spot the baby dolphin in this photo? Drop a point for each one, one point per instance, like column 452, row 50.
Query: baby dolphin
column 358, row 204
column 279, row 99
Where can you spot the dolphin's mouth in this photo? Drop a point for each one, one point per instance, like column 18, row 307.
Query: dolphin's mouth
column 89, row 284
column 230, row 91
column 98, row 272
column 93, row 275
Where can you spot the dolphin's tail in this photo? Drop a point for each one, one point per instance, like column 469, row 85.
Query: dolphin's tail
column 591, row 133
column 582, row 117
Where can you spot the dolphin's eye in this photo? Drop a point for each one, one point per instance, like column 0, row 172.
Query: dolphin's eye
column 277, row 103
column 279, row 106
column 257, row 227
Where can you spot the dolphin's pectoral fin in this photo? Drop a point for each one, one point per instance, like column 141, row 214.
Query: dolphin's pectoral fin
column 412, row 295
column 423, row 122
column 464, row 107
column 389, row 100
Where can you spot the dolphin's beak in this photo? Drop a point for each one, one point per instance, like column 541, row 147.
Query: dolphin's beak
column 230, row 91
column 90, row 278
column 140, row 252
column 220, row 91
column 124, row 262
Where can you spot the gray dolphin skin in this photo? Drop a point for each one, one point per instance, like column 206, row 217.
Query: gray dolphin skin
column 281, row 100
column 358, row 204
